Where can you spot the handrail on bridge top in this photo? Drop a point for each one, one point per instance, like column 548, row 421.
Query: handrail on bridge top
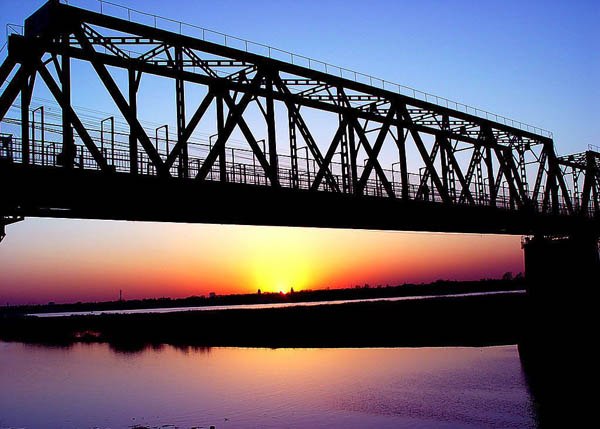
column 301, row 60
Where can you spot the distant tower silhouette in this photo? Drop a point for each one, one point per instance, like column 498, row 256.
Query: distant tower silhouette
column 120, row 294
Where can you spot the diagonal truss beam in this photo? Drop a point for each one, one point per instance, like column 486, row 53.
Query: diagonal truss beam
column 233, row 119
column 148, row 55
column 371, row 154
column 189, row 129
column 197, row 61
column 540, row 174
column 13, row 88
column 66, row 107
column 97, row 38
column 552, row 161
column 507, row 172
column 372, row 160
column 517, row 177
column 423, row 151
column 7, row 66
column 269, row 170
column 306, row 135
column 432, row 156
column 475, row 159
column 465, row 187
column 121, row 103
column 329, row 155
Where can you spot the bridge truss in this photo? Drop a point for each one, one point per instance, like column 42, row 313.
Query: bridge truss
column 453, row 159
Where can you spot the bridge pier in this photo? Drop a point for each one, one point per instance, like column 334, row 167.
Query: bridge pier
column 559, row 332
column 553, row 264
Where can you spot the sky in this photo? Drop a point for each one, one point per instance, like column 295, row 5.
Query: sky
column 536, row 62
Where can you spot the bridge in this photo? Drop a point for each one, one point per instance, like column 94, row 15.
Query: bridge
column 394, row 158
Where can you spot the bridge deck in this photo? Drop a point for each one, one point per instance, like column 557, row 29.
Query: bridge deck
column 90, row 194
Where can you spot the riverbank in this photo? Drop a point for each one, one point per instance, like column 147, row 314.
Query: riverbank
column 440, row 287
column 460, row 321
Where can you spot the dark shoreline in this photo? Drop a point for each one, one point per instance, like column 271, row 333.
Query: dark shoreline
column 451, row 321
column 440, row 287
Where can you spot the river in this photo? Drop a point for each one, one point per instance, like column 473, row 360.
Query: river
column 94, row 385
column 275, row 305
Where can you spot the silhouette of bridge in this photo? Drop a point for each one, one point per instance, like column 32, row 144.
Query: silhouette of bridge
column 394, row 158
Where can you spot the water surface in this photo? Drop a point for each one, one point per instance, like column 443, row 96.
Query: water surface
column 97, row 386
column 272, row 305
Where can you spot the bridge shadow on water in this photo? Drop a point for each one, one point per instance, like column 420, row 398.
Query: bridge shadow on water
column 555, row 350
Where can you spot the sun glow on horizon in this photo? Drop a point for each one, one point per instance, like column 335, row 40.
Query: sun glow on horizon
column 148, row 260
column 278, row 262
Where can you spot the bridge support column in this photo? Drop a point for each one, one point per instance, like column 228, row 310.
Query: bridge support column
column 554, row 264
column 562, row 275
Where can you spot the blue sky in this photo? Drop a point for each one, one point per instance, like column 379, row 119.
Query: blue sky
column 537, row 62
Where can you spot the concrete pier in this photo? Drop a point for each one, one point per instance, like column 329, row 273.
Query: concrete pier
column 562, row 275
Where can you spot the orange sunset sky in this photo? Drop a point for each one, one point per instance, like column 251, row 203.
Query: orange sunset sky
column 57, row 260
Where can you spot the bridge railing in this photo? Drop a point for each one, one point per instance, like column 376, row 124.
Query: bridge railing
column 243, row 167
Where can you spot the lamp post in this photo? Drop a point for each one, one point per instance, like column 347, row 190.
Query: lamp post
column 210, row 146
column 307, row 164
column 110, row 119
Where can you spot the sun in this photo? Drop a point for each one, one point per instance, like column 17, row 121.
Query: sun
column 276, row 266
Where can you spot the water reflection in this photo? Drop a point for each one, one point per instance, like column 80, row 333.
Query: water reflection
column 97, row 385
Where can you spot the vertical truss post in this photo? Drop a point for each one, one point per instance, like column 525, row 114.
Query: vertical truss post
column 443, row 163
column 489, row 166
column 540, row 175
column 273, row 161
column 452, row 181
column 509, row 177
column 346, row 187
column 220, row 132
column 552, row 183
column 293, row 150
column 479, row 183
column 401, row 143
column 68, row 149
column 588, row 182
column 353, row 153
column 133, row 141
column 522, row 166
column 575, row 176
column 558, row 182
column 595, row 191
column 346, row 179
column 180, row 102
column 448, row 153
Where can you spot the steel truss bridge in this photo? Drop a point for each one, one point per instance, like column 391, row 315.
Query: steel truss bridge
column 391, row 160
